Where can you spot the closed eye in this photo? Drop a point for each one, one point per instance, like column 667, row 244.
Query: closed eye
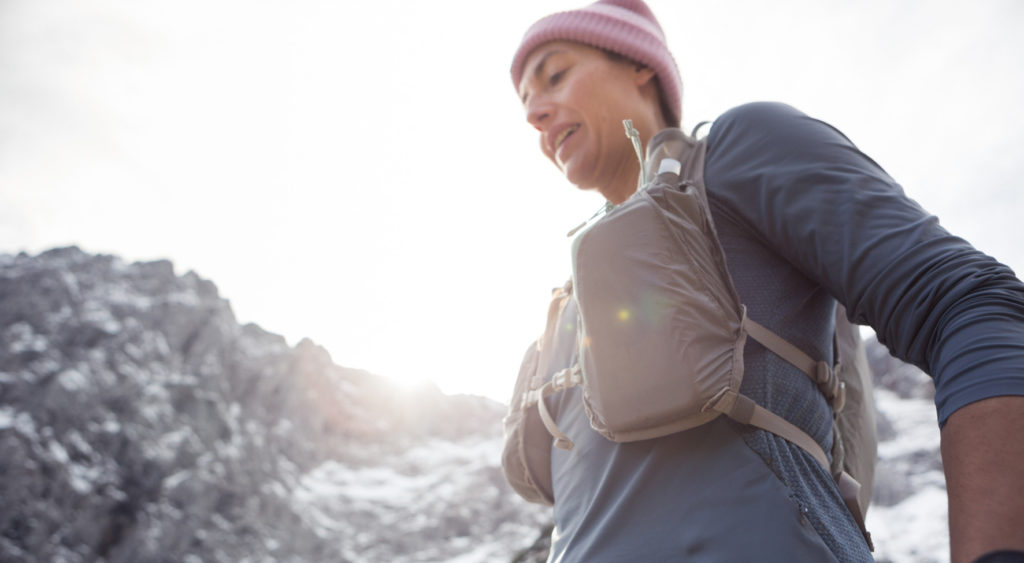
column 557, row 77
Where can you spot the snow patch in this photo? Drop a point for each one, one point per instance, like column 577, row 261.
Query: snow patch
column 486, row 553
column 168, row 445
column 77, row 442
column 58, row 453
column 111, row 426
column 420, row 492
column 176, row 479
column 41, row 366
column 121, row 295
column 7, row 415
column 82, row 478
column 914, row 421
column 71, row 283
column 21, row 337
column 72, row 380
column 913, row 530
column 25, row 425
column 97, row 315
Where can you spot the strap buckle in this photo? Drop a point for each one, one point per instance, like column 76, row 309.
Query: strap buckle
column 831, row 386
column 566, row 378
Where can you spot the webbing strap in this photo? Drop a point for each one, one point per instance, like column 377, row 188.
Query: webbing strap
column 819, row 371
column 561, row 440
column 559, row 297
column 783, row 349
column 564, row 379
column 849, row 489
column 742, row 409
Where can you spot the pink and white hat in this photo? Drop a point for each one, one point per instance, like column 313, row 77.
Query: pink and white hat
column 625, row 27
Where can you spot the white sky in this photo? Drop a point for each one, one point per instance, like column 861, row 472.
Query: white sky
column 360, row 172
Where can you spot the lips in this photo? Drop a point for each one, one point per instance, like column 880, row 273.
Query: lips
column 559, row 138
column 564, row 134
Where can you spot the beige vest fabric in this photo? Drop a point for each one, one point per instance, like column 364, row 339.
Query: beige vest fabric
column 526, row 459
column 661, row 323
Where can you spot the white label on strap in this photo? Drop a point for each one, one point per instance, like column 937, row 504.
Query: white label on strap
column 670, row 165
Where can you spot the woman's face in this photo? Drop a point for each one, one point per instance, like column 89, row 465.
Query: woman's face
column 577, row 97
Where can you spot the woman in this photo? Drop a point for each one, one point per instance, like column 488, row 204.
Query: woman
column 805, row 219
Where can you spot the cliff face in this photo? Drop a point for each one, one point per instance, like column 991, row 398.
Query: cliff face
column 140, row 422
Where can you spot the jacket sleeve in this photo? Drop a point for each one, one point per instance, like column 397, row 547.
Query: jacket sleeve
column 809, row 194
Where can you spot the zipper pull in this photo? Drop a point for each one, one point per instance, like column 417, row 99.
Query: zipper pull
column 634, row 136
column 604, row 209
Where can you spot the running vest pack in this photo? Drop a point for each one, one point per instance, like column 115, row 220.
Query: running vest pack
column 661, row 337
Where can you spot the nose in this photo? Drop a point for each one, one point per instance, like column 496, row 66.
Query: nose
column 537, row 113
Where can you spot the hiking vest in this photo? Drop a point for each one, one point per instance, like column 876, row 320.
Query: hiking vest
column 661, row 335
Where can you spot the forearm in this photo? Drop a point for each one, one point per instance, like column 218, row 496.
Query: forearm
column 983, row 457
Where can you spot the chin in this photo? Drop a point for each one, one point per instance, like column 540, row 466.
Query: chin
column 576, row 178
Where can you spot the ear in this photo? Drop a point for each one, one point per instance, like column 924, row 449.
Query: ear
column 643, row 74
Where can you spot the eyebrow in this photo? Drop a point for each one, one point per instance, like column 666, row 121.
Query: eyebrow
column 539, row 68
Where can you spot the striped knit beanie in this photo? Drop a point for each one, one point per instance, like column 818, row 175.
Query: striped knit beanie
column 625, row 27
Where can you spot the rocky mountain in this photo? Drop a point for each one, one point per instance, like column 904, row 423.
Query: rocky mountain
column 140, row 422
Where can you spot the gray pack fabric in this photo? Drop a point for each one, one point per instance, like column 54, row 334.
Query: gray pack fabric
column 662, row 331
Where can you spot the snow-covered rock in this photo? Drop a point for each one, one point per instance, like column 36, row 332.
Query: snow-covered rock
column 908, row 513
column 140, row 422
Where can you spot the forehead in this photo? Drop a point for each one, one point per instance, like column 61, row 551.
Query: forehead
column 537, row 60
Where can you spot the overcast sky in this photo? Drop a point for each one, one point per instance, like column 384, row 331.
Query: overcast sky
column 360, row 172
